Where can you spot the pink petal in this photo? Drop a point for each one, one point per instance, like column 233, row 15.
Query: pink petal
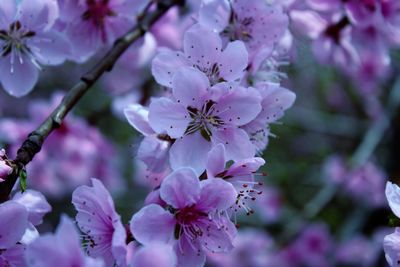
column 181, row 180
column 22, row 79
column 216, row 161
column 167, row 116
column 240, row 106
column 13, row 216
column 152, row 224
column 165, row 64
column 137, row 116
column 236, row 142
column 202, row 46
column 190, row 151
column 190, row 86
column 233, row 61
column 216, row 194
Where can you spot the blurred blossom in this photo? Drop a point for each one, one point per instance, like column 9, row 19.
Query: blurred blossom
column 358, row 251
column 92, row 24
column 69, row 156
column 130, row 73
column 253, row 248
column 269, row 204
column 312, row 248
column 366, row 182
column 28, row 40
column 354, row 35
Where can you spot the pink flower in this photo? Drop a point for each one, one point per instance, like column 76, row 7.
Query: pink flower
column 153, row 153
column 90, row 24
column 200, row 117
column 104, row 234
column 69, row 156
column 193, row 222
column 275, row 101
column 260, row 25
column 62, row 249
column 202, row 50
column 28, row 40
column 240, row 174
column 5, row 170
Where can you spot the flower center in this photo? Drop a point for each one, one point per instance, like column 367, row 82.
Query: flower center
column 239, row 29
column 204, row 120
column 15, row 39
column 14, row 42
column 97, row 12
column 189, row 220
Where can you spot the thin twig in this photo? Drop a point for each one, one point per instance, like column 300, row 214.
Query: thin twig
column 33, row 144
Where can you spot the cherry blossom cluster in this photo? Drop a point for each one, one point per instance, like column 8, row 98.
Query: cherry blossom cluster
column 68, row 158
column 202, row 137
column 39, row 33
column 354, row 35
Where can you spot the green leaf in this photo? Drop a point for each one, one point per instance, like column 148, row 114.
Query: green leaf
column 22, row 181
column 394, row 221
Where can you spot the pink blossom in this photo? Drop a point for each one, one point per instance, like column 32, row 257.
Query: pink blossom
column 91, row 24
column 203, row 117
column 5, row 170
column 240, row 174
column 202, row 49
column 193, row 217
column 260, row 25
column 61, row 249
column 14, row 222
column 104, row 234
column 69, row 156
column 28, row 40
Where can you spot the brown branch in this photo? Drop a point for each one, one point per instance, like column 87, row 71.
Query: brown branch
column 33, row 144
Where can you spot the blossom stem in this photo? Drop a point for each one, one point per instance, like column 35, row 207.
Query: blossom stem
column 33, row 144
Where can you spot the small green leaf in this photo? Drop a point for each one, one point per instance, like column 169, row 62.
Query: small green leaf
column 394, row 221
column 22, row 181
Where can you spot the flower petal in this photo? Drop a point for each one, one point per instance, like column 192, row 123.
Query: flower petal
column 8, row 10
column 189, row 253
column 35, row 203
column 145, row 256
column 138, row 117
column 239, row 106
column 216, row 161
column 233, row 61
column 190, row 151
column 236, row 142
column 393, row 196
column 182, row 180
column 202, row 46
column 165, row 64
column 18, row 79
column 166, row 116
column 215, row 14
column 190, row 86
column 216, row 194
column 152, row 224
column 13, row 216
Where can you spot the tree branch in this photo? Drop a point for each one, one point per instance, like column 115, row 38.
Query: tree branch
column 33, row 144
